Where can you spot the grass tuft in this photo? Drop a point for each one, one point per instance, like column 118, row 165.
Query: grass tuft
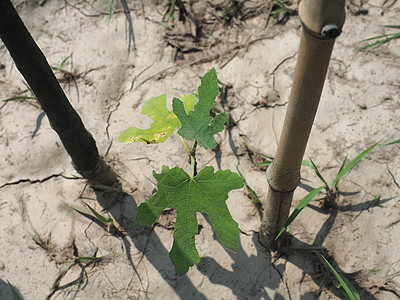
column 352, row 164
column 280, row 8
column 376, row 200
column 331, row 190
column 382, row 39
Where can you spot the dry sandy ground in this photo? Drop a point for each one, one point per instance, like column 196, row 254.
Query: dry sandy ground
column 255, row 63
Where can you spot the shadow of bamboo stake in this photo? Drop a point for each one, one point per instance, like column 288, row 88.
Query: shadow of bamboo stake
column 33, row 65
column 322, row 21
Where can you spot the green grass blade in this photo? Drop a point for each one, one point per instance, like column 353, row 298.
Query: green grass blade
column 280, row 4
column 392, row 36
column 110, row 10
column 265, row 163
column 84, row 258
column 311, row 164
column 343, row 164
column 352, row 164
column 13, row 291
column 28, row 87
column 386, row 38
column 85, row 214
column 268, row 160
column 166, row 26
column 18, row 98
column 347, row 291
column 212, row 28
column 36, row 236
column 391, row 143
column 378, row 37
column 392, row 26
column 249, row 189
column 109, row 188
column 372, row 45
column 265, row 156
column 303, row 203
column 376, row 200
column 306, row 163
column 99, row 217
column 170, row 14
column 64, row 61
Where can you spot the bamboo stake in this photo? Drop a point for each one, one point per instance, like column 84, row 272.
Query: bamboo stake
column 322, row 21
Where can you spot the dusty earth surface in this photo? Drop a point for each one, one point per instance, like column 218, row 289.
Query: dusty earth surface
column 107, row 84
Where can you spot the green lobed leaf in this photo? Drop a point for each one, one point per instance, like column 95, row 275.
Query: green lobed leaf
column 205, row 193
column 165, row 121
column 198, row 124
column 352, row 164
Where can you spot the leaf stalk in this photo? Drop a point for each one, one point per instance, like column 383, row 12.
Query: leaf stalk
column 192, row 156
column 185, row 145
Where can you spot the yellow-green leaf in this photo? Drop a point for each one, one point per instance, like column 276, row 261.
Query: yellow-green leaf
column 164, row 124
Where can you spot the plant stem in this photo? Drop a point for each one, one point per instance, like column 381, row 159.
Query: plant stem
column 184, row 145
column 192, row 156
column 328, row 189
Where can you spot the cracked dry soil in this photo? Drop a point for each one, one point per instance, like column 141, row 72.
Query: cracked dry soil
column 255, row 62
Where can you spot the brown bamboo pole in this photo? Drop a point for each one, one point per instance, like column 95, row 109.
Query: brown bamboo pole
column 322, row 21
column 33, row 65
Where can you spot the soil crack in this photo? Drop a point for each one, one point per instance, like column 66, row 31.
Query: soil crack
column 283, row 279
column 394, row 179
column 37, row 180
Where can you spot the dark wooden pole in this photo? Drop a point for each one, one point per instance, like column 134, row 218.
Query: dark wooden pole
column 34, row 67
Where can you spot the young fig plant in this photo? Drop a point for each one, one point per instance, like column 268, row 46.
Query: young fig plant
column 205, row 191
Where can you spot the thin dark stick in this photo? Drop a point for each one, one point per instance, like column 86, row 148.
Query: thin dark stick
column 33, row 65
